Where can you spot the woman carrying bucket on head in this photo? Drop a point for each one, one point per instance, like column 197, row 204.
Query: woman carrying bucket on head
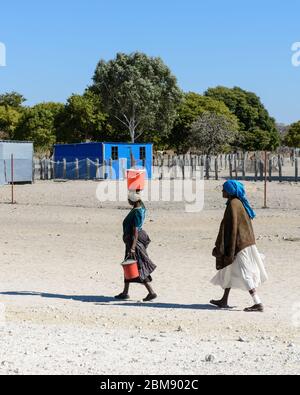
column 136, row 241
column 238, row 261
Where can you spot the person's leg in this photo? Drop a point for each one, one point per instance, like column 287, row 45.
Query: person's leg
column 151, row 295
column 223, row 303
column 124, row 295
column 258, row 306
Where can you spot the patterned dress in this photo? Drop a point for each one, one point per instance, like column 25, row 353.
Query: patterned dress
column 136, row 219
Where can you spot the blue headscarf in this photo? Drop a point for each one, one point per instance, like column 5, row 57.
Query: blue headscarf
column 237, row 189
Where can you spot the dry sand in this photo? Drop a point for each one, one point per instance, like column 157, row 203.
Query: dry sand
column 60, row 254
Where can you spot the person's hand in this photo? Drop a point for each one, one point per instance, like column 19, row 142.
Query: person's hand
column 132, row 254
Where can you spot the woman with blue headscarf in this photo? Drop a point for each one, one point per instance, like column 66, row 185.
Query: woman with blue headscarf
column 238, row 261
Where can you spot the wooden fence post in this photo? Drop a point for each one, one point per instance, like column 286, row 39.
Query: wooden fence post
column 88, row 168
column 105, row 174
column 98, row 168
column 230, row 167
column 77, row 168
column 296, row 169
column 216, row 168
column 161, row 168
column 280, row 168
column 46, row 169
column 255, row 168
column 64, row 168
column 110, row 163
column 41, row 169
column 261, row 169
column 244, row 167
column 270, row 169
column 207, row 167
column 52, row 169
column 235, row 167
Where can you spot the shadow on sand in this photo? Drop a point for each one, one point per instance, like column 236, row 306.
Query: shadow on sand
column 105, row 300
column 77, row 298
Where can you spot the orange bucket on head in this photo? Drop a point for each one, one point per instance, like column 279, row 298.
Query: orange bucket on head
column 131, row 270
column 136, row 179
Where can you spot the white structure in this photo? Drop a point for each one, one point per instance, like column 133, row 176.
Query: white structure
column 22, row 161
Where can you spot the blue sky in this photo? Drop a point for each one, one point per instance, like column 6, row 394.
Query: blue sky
column 53, row 46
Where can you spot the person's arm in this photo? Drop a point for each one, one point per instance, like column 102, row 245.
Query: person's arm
column 135, row 239
column 137, row 223
column 217, row 251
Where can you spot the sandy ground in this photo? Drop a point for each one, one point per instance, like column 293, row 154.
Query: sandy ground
column 60, row 254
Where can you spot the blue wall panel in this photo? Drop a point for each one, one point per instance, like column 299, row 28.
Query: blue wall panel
column 71, row 152
column 119, row 153
column 124, row 151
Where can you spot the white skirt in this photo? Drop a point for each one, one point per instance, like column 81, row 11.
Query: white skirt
column 247, row 271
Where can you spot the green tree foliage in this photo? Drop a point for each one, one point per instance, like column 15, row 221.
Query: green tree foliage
column 10, row 113
column 252, row 115
column 82, row 119
column 140, row 92
column 191, row 108
column 292, row 139
column 12, row 99
column 211, row 132
column 253, row 140
column 9, row 119
column 37, row 124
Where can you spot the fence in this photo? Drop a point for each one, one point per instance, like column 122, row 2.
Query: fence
column 242, row 166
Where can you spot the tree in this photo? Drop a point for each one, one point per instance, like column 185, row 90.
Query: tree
column 250, row 111
column 82, row 119
column 37, row 124
column 211, row 132
column 9, row 119
column 253, row 140
column 10, row 113
column 140, row 92
column 191, row 108
column 12, row 99
column 292, row 139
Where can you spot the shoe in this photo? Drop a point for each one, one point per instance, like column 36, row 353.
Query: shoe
column 122, row 296
column 254, row 309
column 150, row 297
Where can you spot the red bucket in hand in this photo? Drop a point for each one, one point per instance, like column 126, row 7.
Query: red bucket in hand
column 136, row 180
column 131, row 270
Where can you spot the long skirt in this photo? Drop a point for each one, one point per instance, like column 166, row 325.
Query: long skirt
column 145, row 265
column 246, row 273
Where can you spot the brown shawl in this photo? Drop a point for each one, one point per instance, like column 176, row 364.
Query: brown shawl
column 236, row 234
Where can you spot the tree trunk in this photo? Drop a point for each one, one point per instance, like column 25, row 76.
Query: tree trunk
column 132, row 134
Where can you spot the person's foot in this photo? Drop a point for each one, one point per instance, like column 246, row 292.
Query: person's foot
column 150, row 297
column 219, row 303
column 122, row 296
column 254, row 309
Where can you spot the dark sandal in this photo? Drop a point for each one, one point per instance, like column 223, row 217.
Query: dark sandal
column 257, row 308
column 150, row 297
column 122, row 296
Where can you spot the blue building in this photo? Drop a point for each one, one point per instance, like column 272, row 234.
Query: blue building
column 100, row 160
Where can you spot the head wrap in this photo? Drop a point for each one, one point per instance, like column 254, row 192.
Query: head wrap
column 237, row 189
